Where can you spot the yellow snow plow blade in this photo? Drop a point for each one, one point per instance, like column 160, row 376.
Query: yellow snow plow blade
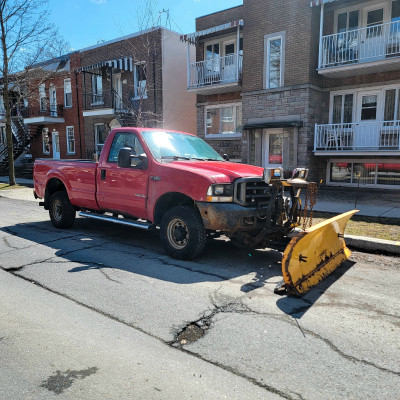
column 315, row 253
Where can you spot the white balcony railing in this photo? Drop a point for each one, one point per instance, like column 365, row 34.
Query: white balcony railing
column 216, row 71
column 361, row 45
column 379, row 136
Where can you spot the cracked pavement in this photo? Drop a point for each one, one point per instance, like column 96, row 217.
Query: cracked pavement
column 338, row 341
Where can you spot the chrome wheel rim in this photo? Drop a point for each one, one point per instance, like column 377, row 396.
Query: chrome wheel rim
column 178, row 234
column 57, row 210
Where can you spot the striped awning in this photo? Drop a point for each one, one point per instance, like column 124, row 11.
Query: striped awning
column 319, row 2
column 191, row 37
column 125, row 64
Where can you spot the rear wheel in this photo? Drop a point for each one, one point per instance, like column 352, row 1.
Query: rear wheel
column 182, row 232
column 61, row 211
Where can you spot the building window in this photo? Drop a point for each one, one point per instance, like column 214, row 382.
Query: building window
column 365, row 172
column 3, row 138
column 99, row 137
column 97, row 89
column 46, row 141
column 139, row 77
column 347, row 21
column 342, row 112
column 42, row 97
column 67, row 93
column 224, row 120
column 70, row 140
column 275, row 60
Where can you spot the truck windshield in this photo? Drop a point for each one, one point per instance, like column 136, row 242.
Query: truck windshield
column 179, row 146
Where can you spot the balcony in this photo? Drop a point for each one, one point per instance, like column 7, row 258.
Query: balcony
column 216, row 75
column 365, row 50
column 358, row 138
column 106, row 102
column 51, row 114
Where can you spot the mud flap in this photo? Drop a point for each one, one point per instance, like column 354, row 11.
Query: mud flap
column 313, row 254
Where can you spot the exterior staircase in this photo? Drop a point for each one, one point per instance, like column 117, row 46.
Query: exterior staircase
column 126, row 115
column 21, row 142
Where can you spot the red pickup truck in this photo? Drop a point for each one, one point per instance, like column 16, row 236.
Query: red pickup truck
column 149, row 178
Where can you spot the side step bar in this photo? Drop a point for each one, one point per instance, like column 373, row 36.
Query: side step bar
column 136, row 224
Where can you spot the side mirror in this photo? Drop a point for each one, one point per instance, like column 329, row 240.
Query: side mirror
column 127, row 160
column 225, row 157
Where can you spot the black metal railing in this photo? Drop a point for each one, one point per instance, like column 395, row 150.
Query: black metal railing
column 96, row 100
column 51, row 110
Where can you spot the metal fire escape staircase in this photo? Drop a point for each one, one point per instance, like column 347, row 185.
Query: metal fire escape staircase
column 125, row 114
column 21, row 141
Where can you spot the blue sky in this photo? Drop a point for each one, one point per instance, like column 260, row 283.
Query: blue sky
column 84, row 22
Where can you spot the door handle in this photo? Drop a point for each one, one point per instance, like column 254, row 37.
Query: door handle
column 103, row 174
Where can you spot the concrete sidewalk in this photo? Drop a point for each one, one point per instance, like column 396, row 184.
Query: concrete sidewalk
column 370, row 202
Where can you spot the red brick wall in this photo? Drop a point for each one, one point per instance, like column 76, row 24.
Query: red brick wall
column 146, row 47
column 71, row 115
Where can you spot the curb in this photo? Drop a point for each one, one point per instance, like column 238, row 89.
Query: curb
column 372, row 245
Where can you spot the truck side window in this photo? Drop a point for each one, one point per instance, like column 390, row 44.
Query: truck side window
column 124, row 139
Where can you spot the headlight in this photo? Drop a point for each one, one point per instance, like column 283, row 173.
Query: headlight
column 220, row 193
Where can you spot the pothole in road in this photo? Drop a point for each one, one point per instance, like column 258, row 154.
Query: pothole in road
column 197, row 329
column 190, row 334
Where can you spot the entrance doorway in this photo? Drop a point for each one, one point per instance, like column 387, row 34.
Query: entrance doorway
column 56, row 145
column 272, row 151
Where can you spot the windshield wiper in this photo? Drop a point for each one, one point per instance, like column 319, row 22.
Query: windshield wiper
column 203, row 159
column 175, row 158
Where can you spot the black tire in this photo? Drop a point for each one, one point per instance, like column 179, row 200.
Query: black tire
column 61, row 211
column 182, row 233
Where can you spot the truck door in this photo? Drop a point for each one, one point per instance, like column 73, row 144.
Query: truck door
column 123, row 190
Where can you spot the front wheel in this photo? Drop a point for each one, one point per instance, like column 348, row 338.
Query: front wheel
column 182, row 232
column 62, row 212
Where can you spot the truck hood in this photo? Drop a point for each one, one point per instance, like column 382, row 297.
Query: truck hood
column 219, row 171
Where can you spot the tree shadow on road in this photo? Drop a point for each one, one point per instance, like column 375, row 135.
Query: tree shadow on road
column 95, row 245
column 98, row 245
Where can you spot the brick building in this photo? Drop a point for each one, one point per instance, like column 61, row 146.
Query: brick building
column 76, row 99
column 216, row 78
column 317, row 86
column 52, row 110
column 136, row 80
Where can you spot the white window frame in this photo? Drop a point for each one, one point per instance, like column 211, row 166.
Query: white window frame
column 67, row 85
column 42, row 95
column 138, row 87
column 68, row 130
column 98, row 146
column 96, row 79
column 356, row 105
column 362, row 10
column 222, row 135
column 45, row 132
column 267, row 41
column 342, row 93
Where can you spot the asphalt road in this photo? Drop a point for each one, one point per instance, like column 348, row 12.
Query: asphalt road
column 98, row 311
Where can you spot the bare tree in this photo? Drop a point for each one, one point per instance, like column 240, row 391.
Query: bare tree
column 27, row 38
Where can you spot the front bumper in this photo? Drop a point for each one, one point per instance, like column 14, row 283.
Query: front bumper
column 230, row 217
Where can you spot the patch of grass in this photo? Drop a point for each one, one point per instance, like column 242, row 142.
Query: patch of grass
column 6, row 186
column 374, row 227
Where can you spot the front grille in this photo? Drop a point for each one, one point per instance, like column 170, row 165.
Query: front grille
column 251, row 192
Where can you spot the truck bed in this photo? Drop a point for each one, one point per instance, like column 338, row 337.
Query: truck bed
column 78, row 175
